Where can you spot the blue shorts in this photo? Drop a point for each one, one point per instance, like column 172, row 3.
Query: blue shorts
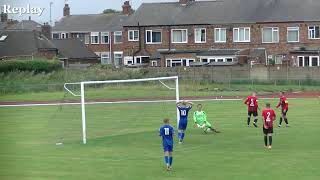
column 183, row 123
column 167, row 147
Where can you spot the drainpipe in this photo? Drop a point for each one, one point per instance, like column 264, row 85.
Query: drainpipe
column 110, row 48
column 140, row 38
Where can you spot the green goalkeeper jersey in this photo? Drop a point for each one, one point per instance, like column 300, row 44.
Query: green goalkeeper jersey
column 199, row 117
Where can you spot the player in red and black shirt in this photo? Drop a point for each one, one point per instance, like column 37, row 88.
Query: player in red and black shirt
column 284, row 109
column 252, row 103
column 268, row 116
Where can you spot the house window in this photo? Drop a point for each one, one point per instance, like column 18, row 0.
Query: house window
column 314, row 32
column 55, row 36
column 229, row 59
column 118, row 37
column 154, row 63
column 86, row 39
column 105, row 58
column 314, row 61
column 142, row 60
column 133, row 35
column 104, row 37
column 300, row 61
column 270, row 35
column 64, row 35
column 179, row 35
column 278, row 59
column 153, row 36
column 118, row 58
column 200, row 35
column 94, row 37
column 220, row 35
column 205, row 60
column 178, row 62
column 293, row 34
column 241, row 34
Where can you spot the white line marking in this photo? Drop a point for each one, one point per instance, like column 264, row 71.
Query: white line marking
column 122, row 102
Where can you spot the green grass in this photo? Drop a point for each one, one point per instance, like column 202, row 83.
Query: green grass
column 156, row 90
column 123, row 143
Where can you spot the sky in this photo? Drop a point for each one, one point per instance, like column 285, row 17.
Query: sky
column 76, row 7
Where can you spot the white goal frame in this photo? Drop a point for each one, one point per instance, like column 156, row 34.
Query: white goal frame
column 83, row 103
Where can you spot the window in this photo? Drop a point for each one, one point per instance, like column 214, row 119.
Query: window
column 229, row 59
column 220, row 35
column 278, row 59
column 300, row 61
column 64, row 35
column 133, row 35
column 104, row 37
column 270, row 35
column 154, row 63
column 105, row 58
column 142, row 59
column 314, row 61
column 241, row 34
column 200, row 35
column 118, row 37
column 55, row 36
column 314, row 32
column 94, row 37
column 179, row 36
column 118, row 58
column 293, row 34
column 153, row 36
column 178, row 62
column 205, row 60
column 86, row 39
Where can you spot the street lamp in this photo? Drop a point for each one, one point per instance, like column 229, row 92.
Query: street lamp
column 50, row 13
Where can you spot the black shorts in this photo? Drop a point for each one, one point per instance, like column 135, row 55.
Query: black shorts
column 267, row 131
column 254, row 113
column 284, row 112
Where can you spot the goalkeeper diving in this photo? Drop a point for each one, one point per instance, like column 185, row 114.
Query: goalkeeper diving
column 200, row 120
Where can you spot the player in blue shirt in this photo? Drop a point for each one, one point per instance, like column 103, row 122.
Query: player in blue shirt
column 183, row 107
column 167, row 133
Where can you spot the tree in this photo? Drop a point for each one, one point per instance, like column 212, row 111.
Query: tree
column 111, row 11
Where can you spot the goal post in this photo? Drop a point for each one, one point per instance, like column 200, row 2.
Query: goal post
column 83, row 102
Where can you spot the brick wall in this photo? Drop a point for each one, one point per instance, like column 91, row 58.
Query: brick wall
column 282, row 47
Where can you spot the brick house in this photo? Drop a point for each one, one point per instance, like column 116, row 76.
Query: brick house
column 259, row 31
column 102, row 33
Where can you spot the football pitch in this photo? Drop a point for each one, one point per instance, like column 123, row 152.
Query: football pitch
column 123, row 143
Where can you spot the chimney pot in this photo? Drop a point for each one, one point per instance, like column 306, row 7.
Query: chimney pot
column 66, row 10
column 4, row 17
column 126, row 8
column 46, row 30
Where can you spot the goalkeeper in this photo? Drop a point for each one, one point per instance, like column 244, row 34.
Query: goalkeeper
column 200, row 120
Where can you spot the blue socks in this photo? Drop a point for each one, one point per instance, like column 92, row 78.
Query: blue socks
column 167, row 160
column 170, row 160
column 181, row 136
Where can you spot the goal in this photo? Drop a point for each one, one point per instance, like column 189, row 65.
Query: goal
column 86, row 84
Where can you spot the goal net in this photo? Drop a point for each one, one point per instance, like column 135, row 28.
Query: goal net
column 124, row 106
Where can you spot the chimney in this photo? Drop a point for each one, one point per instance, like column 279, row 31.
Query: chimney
column 126, row 8
column 46, row 30
column 4, row 17
column 66, row 10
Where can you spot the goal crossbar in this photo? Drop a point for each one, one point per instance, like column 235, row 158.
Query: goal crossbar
column 82, row 94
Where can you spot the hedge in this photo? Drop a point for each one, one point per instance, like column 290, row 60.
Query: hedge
column 36, row 66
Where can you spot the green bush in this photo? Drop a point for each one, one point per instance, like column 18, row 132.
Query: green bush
column 36, row 66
